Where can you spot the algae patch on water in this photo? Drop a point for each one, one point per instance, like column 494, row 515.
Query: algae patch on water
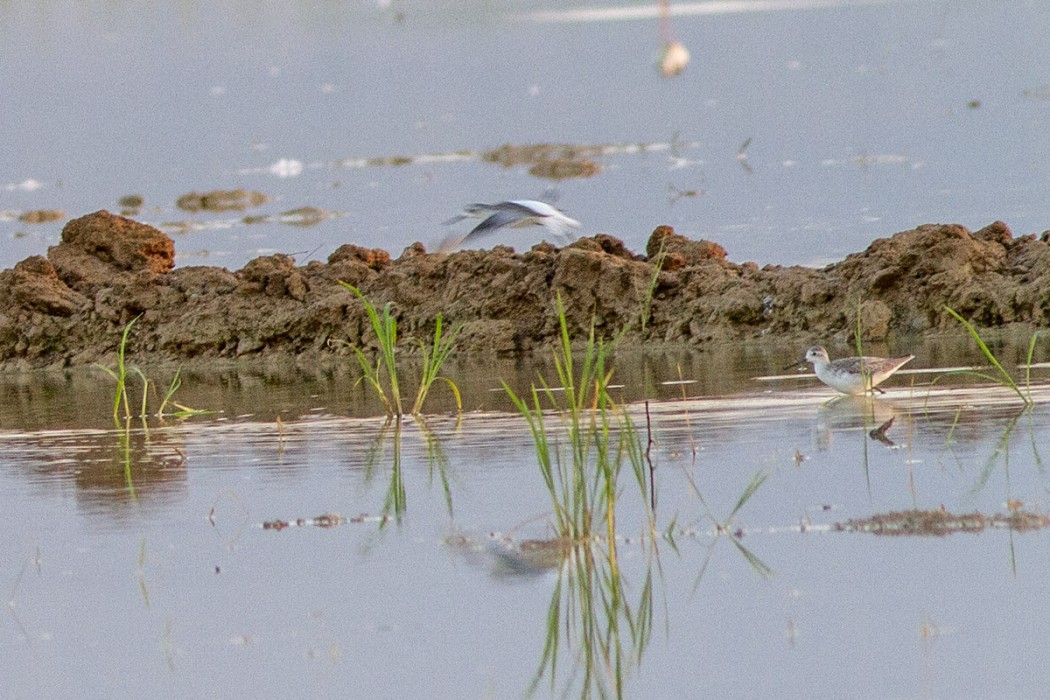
column 941, row 523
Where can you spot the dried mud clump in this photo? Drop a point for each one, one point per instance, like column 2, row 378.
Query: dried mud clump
column 115, row 243
column 68, row 308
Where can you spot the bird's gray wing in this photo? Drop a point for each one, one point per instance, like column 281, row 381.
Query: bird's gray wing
column 520, row 210
column 471, row 211
column 497, row 221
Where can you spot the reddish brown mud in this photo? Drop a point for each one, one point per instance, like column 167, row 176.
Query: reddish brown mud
column 69, row 307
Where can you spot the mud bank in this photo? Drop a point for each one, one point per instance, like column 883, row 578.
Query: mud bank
column 68, row 308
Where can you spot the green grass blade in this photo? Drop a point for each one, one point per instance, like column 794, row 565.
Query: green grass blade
column 1028, row 365
column 122, row 372
column 434, row 358
column 756, row 481
column 385, row 329
column 176, row 382
column 858, row 335
column 647, row 301
column 145, row 390
column 1004, row 377
column 763, row 569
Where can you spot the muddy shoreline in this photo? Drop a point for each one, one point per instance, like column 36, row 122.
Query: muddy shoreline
column 68, row 309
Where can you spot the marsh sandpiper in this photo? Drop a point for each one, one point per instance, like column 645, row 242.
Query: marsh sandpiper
column 853, row 375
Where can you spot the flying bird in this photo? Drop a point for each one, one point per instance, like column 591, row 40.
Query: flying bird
column 516, row 213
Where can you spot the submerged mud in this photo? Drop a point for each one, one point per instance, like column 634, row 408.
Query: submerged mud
column 69, row 307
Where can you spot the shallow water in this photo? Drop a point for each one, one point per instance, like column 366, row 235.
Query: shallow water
column 799, row 132
column 330, row 555
column 170, row 561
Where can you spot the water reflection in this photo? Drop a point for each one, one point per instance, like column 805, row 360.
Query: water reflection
column 389, row 436
column 605, row 630
column 143, row 466
column 960, row 416
column 600, row 615
column 852, row 412
column 985, row 424
column 583, row 611
column 115, row 472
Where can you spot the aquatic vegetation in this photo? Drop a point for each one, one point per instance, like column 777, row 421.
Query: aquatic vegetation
column 1002, row 377
column 599, row 436
column 940, row 523
column 1028, row 363
column 658, row 263
column 434, row 357
column 124, row 448
column 582, row 440
column 757, row 564
column 395, row 503
column 385, row 328
column 590, row 600
column 724, row 526
column 865, row 370
column 120, row 376
column 384, row 371
column 590, row 606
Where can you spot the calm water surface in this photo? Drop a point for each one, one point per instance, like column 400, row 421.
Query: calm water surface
column 139, row 563
column 799, row 132
column 155, row 562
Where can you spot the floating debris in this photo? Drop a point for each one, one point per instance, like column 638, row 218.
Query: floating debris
column 940, row 523
column 550, row 160
column 221, row 200
column 325, row 520
column 1040, row 92
column 29, row 185
column 41, row 216
column 553, row 161
column 183, row 227
column 674, row 58
column 286, row 167
column 303, row 216
column 130, row 204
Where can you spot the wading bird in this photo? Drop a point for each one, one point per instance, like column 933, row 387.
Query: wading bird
column 853, row 375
